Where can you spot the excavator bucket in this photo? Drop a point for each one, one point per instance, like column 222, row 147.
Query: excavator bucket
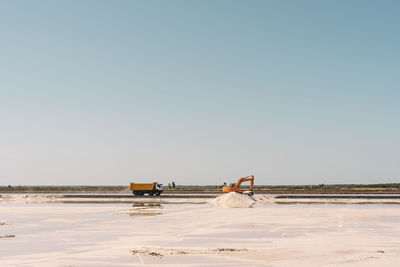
column 249, row 193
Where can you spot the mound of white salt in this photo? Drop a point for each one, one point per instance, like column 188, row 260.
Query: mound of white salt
column 234, row 200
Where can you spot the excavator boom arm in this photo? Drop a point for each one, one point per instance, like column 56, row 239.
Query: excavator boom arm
column 245, row 179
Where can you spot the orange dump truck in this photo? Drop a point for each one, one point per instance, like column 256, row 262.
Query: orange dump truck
column 151, row 189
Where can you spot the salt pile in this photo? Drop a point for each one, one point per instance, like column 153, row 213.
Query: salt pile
column 263, row 199
column 234, row 200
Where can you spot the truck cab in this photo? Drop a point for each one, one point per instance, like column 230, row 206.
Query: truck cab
column 159, row 188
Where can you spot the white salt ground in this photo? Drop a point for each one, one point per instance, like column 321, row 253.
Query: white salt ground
column 106, row 235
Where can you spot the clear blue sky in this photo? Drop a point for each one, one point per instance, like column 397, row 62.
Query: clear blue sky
column 199, row 92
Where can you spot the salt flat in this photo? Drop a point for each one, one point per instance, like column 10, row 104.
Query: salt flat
column 122, row 234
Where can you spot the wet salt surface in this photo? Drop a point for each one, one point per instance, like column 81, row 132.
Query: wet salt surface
column 224, row 200
column 273, row 235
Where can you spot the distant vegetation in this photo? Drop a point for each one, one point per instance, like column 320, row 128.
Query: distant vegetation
column 55, row 189
column 388, row 185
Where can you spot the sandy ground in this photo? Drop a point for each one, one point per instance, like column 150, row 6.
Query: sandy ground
column 121, row 234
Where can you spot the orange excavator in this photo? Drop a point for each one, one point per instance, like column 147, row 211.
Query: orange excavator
column 235, row 187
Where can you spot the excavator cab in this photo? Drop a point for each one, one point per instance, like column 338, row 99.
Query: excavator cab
column 235, row 187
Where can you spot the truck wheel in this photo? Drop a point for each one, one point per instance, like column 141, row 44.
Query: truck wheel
column 151, row 194
column 158, row 193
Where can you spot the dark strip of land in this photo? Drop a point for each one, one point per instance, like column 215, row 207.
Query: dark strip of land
column 92, row 197
column 276, row 190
